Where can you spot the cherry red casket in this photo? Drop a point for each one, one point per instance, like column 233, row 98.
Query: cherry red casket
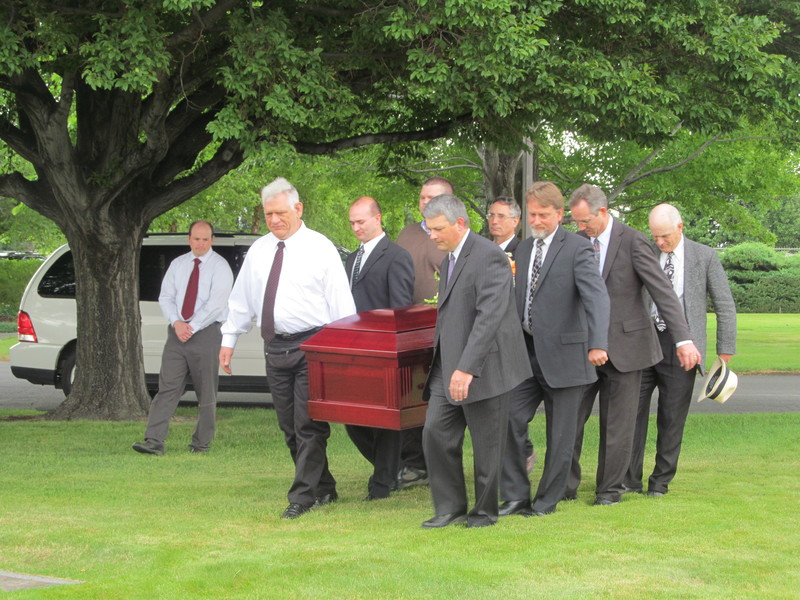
column 370, row 368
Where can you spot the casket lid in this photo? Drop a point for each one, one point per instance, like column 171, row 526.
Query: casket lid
column 407, row 318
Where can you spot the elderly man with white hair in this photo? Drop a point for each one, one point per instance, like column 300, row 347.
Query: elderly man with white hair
column 696, row 274
column 292, row 283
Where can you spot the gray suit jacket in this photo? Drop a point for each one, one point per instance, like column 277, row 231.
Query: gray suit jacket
column 704, row 277
column 477, row 328
column 385, row 279
column 630, row 267
column 570, row 310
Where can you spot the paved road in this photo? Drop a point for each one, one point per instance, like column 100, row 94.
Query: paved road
column 756, row 393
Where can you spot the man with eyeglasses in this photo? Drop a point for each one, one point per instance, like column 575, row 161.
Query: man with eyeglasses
column 503, row 217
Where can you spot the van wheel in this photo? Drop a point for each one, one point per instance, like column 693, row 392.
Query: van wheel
column 67, row 372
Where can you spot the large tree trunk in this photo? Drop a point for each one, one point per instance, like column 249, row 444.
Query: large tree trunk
column 109, row 326
column 499, row 172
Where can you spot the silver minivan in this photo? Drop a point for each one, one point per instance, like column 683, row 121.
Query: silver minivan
column 46, row 323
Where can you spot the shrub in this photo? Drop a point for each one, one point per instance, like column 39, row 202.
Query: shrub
column 751, row 256
column 777, row 292
column 14, row 276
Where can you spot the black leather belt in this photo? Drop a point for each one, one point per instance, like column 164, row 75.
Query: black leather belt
column 299, row 335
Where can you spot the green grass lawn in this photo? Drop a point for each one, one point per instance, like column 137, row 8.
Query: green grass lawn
column 76, row 502
column 766, row 343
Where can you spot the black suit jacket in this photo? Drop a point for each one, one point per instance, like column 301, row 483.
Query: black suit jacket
column 511, row 248
column 385, row 279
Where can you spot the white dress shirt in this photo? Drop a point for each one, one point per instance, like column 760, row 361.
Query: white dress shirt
column 679, row 264
column 313, row 289
column 504, row 245
column 603, row 239
column 213, row 287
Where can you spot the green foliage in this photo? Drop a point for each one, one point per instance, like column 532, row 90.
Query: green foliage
column 750, row 256
column 777, row 292
column 762, row 281
column 14, row 276
column 22, row 228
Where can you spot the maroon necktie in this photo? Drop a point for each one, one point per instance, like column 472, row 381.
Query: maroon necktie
column 268, row 308
column 191, row 292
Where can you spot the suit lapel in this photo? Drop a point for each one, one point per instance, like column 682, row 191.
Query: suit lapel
column 555, row 247
column 524, row 252
column 374, row 257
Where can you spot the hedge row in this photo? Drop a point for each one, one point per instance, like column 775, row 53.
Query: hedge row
column 762, row 280
column 14, row 275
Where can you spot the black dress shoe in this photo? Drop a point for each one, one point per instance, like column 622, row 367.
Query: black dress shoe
column 539, row 513
column 325, row 499
column 481, row 523
column 444, row 520
column 515, row 507
column 295, row 510
column 149, row 447
column 655, row 493
column 630, row 490
column 605, row 502
column 370, row 497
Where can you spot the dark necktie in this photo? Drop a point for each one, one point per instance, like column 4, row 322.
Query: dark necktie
column 190, row 298
column 450, row 267
column 596, row 246
column 357, row 266
column 669, row 269
column 535, row 269
column 268, row 308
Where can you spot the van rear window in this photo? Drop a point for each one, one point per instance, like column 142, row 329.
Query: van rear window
column 59, row 281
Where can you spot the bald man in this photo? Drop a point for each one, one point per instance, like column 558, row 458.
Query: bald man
column 697, row 275
column 381, row 275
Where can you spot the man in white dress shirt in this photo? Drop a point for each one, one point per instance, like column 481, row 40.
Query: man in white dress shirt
column 193, row 299
column 292, row 283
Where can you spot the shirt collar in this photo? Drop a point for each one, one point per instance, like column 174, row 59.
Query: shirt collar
column 370, row 245
column 458, row 248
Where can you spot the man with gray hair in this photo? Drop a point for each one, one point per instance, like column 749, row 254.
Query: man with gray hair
column 479, row 358
column 292, row 283
column 628, row 266
column 503, row 217
column 696, row 274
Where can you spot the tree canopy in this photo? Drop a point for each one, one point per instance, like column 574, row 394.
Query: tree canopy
column 126, row 108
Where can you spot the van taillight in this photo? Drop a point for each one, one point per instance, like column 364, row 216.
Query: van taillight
column 25, row 331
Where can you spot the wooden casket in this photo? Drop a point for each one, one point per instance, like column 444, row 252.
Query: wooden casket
column 370, row 368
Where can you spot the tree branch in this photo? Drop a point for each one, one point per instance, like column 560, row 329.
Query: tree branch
column 203, row 22
column 432, row 133
column 229, row 156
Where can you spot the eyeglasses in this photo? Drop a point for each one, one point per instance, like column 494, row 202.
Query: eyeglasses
column 498, row 217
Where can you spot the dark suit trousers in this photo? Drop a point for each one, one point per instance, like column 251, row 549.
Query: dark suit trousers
column 381, row 447
column 561, row 418
column 619, row 401
column 675, row 389
column 197, row 360
column 411, row 451
column 443, row 438
column 307, row 440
